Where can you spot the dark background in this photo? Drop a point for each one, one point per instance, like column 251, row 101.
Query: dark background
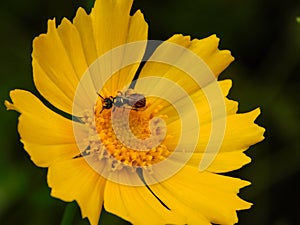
column 264, row 38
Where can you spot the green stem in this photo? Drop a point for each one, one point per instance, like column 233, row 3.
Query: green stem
column 69, row 214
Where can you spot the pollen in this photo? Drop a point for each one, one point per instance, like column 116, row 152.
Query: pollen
column 128, row 137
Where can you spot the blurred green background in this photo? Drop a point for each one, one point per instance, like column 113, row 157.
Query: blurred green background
column 264, row 38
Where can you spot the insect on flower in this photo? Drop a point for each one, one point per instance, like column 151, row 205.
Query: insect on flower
column 143, row 166
column 129, row 98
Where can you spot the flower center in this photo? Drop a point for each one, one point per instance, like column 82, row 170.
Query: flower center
column 130, row 137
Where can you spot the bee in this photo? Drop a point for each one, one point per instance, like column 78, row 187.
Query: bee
column 129, row 98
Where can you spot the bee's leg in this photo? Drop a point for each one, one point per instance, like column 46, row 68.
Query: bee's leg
column 132, row 108
column 135, row 108
column 78, row 119
column 101, row 110
column 84, row 153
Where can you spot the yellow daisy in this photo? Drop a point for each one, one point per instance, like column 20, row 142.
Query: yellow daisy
column 147, row 143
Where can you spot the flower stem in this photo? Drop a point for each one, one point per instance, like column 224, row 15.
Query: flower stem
column 69, row 214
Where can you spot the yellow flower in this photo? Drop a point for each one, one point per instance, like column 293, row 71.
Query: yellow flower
column 149, row 151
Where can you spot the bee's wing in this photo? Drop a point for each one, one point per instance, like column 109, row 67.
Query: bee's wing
column 137, row 100
column 135, row 97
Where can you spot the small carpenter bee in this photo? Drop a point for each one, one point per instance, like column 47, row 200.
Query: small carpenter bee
column 134, row 100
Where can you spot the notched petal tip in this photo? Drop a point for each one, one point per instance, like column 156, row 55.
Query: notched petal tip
column 225, row 86
column 245, row 183
column 51, row 25
column 9, row 105
column 255, row 113
column 207, row 49
column 215, row 41
column 180, row 39
column 258, row 131
column 80, row 11
column 14, row 94
column 139, row 16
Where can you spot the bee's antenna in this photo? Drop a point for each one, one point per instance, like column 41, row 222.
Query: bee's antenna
column 100, row 97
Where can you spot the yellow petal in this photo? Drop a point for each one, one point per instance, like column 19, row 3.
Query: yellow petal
column 241, row 132
column 71, row 41
column 46, row 136
column 207, row 50
column 75, row 180
column 53, row 70
column 138, row 205
column 202, row 194
column 223, row 161
column 113, row 25
column 84, row 26
column 177, row 61
column 61, row 57
column 204, row 109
